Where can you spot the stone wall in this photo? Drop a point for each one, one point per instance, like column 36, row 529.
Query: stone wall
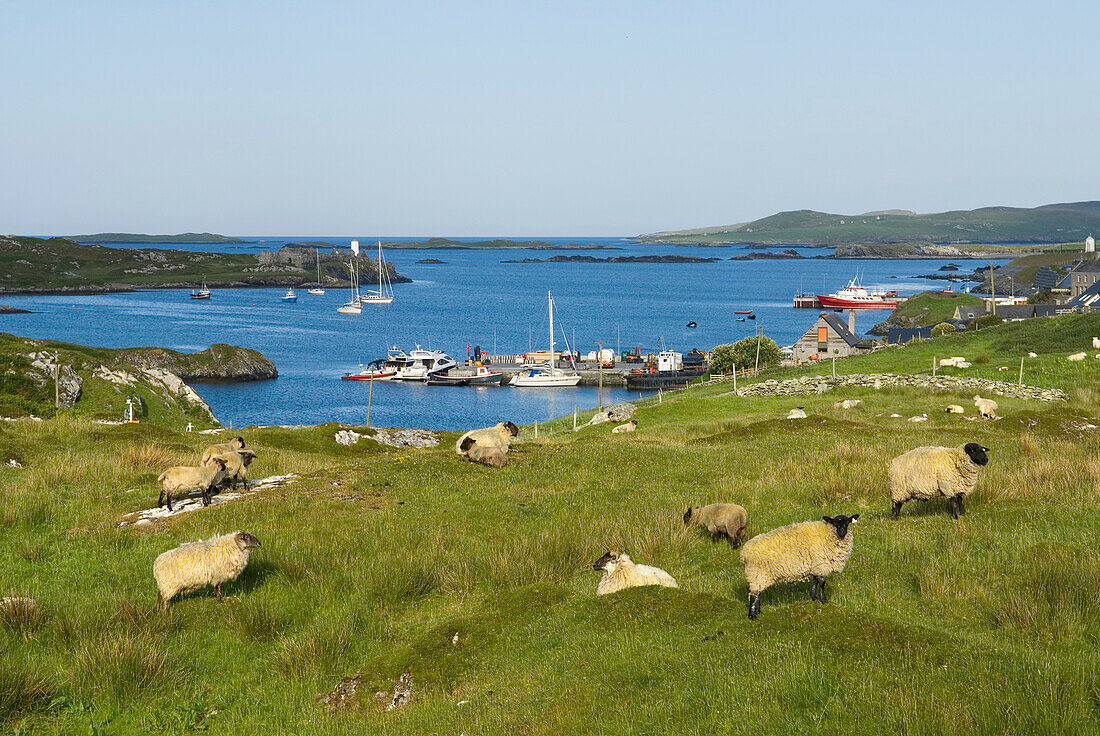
column 808, row 385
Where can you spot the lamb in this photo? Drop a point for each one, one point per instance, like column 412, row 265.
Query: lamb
column 799, row 413
column 1076, row 356
column 237, row 443
column 236, row 467
column 986, row 407
column 810, row 550
column 197, row 564
column 954, row 409
column 718, row 519
column 499, row 436
column 924, row 473
column 489, row 455
column 187, row 478
column 628, row 427
column 619, row 572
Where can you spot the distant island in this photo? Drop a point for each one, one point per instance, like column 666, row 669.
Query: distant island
column 60, row 265
column 1052, row 223
column 431, row 260
column 448, row 244
column 617, row 259
column 140, row 238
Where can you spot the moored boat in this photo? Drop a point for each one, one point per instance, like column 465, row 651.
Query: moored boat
column 668, row 372
column 856, row 296
column 480, row 376
column 290, row 297
column 376, row 370
column 548, row 375
column 423, row 364
column 203, row 293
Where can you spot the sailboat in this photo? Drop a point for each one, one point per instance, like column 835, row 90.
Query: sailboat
column 384, row 295
column 355, row 306
column 317, row 290
column 546, row 376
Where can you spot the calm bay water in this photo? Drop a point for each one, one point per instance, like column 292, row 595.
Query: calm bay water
column 472, row 299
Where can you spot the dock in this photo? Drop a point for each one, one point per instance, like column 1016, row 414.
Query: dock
column 806, row 301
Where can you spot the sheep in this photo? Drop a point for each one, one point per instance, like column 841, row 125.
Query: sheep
column 924, row 473
column 799, row 413
column 1032, row 355
column 619, row 572
column 1076, row 356
column 810, row 550
column 197, row 564
column 954, row 409
column 489, row 455
column 499, row 436
column 718, row 519
column 237, row 443
column 986, row 407
column 956, row 362
column 919, row 418
column 1096, row 343
column 628, row 427
column 236, row 467
column 187, row 478
column 847, row 404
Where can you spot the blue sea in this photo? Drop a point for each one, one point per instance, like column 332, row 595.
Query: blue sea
column 471, row 299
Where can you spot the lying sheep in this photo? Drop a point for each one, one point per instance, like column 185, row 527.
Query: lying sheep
column 847, row 404
column 236, row 467
column 986, row 407
column 499, row 436
column 954, row 409
column 718, row 519
column 1076, row 356
column 1032, row 355
column 924, row 473
column 1096, row 343
column 619, row 572
column 799, row 413
column 494, row 457
column 811, row 550
column 628, row 427
column 237, row 443
column 197, row 564
column 186, row 478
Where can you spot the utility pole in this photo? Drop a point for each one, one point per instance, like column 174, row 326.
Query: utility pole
column 992, row 289
column 56, row 381
column 599, row 362
column 759, row 334
column 370, row 395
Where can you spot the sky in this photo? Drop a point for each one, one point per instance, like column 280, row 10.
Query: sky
column 535, row 118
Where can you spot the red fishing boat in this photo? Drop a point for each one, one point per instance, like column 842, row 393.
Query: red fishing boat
column 856, row 296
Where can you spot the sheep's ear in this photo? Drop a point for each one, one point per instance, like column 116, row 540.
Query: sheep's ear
column 827, row 519
column 854, row 517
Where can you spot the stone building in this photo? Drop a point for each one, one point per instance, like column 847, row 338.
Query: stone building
column 830, row 337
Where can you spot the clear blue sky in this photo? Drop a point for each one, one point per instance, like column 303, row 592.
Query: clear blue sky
column 535, row 118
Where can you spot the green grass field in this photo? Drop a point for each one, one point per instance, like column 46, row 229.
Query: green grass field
column 378, row 563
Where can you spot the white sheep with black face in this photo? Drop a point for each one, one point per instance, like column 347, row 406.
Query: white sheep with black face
column 237, row 443
column 490, row 455
column 198, row 564
column 620, row 572
column 925, row 473
column 986, row 407
column 720, row 519
column 810, row 550
column 183, row 478
column 499, row 436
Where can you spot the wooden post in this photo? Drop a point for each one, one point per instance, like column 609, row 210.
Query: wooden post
column 834, row 366
column 992, row 289
column 574, row 417
column 599, row 363
column 933, row 366
column 370, row 396
column 735, row 380
column 1021, row 370
column 56, row 381
column 536, row 430
column 660, row 397
column 759, row 335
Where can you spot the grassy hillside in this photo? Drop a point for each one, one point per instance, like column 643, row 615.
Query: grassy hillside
column 1054, row 223
column 141, row 238
column 476, row 583
column 933, row 307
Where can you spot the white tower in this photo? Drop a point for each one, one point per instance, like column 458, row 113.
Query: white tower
column 1090, row 245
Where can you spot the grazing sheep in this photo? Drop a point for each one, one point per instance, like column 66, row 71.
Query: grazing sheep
column 1076, row 356
column 954, row 409
column 499, row 436
column 986, row 407
column 237, row 443
column 718, row 519
column 799, row 413
column 619, row 572
column 847, row 404
column 810, row 550
column 956, row 362
column 197, row 564
column 628, row 427
column 188, row 478
column 494, row 457
column 1096, row 343
column 925, row 473
column 236, row 467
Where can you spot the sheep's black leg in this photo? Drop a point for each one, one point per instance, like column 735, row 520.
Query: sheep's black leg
column 715, row 535
column 168, row 497
column 162, row 605
column 952, row 505
column 821, row 592
column 206, row 496
column 959, row 503
column 754, row 606
column 897, row 510
column 218, row 592
column 160, row 498
column 813, row 588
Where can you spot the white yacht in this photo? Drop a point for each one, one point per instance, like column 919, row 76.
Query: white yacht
column 548, row 375
column 355, row 306
column 423, row 363
column 384, row 295
column 317, row 290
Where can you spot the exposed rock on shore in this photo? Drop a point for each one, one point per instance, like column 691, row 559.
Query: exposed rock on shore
column 218, row 363
column 617, row 259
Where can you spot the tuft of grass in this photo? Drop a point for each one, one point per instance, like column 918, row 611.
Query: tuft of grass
column 122, row 665
column 22, row 689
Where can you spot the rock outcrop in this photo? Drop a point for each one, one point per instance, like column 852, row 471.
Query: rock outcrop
column 809, row 385
column 219, row 363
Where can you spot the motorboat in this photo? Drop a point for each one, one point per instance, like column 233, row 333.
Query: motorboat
column 692, row 324
column 290, row 297
column 548, row 375
column 377, row 370
column 203, row 293
column 480, row 376
column 424, row 363
column 670, row 371
column 856, row 296
column 384, row 295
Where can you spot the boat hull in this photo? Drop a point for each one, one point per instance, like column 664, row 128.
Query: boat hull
column 384, row 376
column 485, row 379
column 377, row 300
column 832, row 302
column 562, row 381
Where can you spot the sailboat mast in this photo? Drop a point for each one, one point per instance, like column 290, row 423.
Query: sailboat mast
column 380, row 269
column 550, row 303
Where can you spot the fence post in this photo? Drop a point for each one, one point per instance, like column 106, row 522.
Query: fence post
column 1021, row 370
column 933, row 366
